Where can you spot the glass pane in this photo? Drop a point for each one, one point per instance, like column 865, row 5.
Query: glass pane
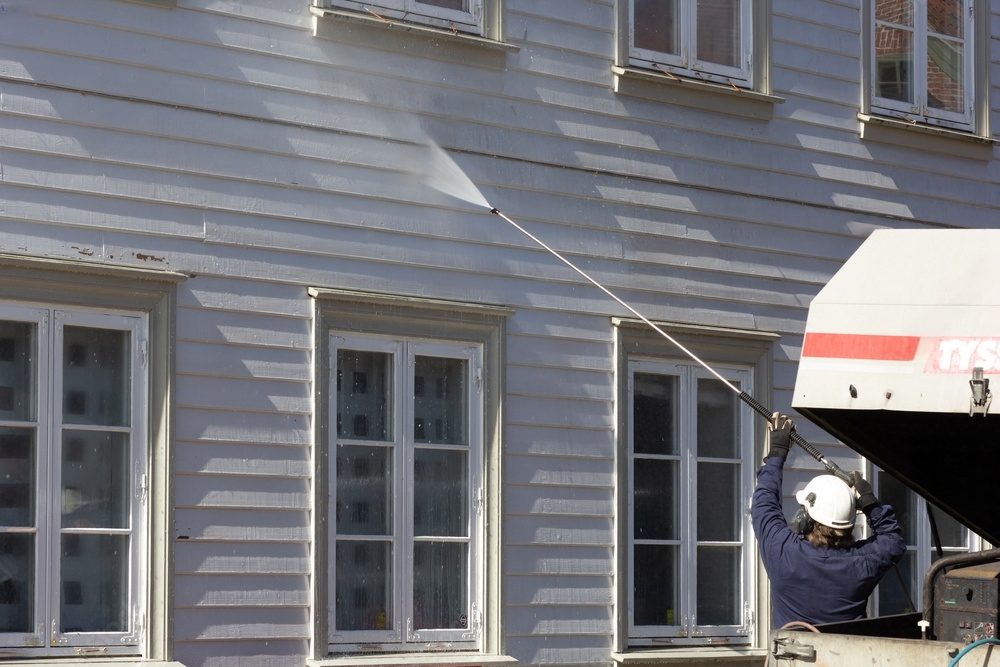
column 654, row 413
column 656, row 25
column 440, row 493
column 951, row 532
column 944, row 17
column 903, row 501
column 17, row 592
column 96, row 372
column 945, row 75
column 894, row 64
column 656, row 585
column 440, row 401
column 95, row 480
column 719, row 586
column 895, row 589
column 718, row 420
column 656, row 499
column 719, row 32
column 457, row 5
column 440, row 585
column 17, row 358
column 364, row 586
column 94, row 596
column 899, row 12
column 364, row 399
column 17, row 477
column 364, row 490
column 719, row 502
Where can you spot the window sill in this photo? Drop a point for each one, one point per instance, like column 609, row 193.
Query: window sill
column 390, row 659
column 694, row 656
column 691, row 92
column 348, row 16
column 90, row 662
column 925, row 137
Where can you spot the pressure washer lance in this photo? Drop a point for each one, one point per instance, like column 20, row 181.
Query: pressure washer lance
column 757, row 406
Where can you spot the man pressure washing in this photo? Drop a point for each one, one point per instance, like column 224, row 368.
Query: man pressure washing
column 818, row 572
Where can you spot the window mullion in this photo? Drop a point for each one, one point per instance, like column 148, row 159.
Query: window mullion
column 53, row 530
column 689, row 491
column 403, row 548
column 46, row 516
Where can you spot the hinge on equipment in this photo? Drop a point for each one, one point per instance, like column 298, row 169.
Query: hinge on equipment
column 477, row 377
column 141, row 487
column 981, row 394
column 790, row 649
column 477, row 501
column 143, row 352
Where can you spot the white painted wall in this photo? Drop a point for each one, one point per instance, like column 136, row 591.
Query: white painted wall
column 220, row 138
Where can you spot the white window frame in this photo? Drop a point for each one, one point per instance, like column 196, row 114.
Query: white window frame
column 924, row 548
column 403, row 637
column 689, row 632
column 918, row 110
column 415, row 11
column 47, row 640
column 686, row 62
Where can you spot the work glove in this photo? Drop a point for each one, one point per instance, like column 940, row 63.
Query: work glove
column 779, row 430
column 866, row 498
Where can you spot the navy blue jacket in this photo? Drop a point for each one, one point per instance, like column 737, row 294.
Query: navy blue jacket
column 817, row 584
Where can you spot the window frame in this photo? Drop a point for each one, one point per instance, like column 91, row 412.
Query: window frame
column 53, row 284
column 974, row 117
column 749, row 351
column 686, row 63
column 924, row 547
column 404, row 350
column 472, row 21
column 373, row 315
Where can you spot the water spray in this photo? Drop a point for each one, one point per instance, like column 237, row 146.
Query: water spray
column 447, row 177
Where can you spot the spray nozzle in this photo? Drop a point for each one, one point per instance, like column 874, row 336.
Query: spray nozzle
column 495, row 211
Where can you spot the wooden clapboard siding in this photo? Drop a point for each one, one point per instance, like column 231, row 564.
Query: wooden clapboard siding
column 221, row 139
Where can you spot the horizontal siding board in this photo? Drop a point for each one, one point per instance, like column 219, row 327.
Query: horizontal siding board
column 257, row 524
column 558, row 590
column 228, row 491
column 551, row 530
column 243, row 362
column 234, row 295
column 242, row 459
column 237, row 558
column 212, row 591
column 199, row 425
column 522, row 439
column 561, row 622
column 552, row 471
column 239, row 395
column 242, row 623
column 561, row 502
column 546, row 560
column 271, row 331
column 560, row 412
column 532, row 379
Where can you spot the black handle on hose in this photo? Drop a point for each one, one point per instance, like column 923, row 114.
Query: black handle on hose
column 766, row 413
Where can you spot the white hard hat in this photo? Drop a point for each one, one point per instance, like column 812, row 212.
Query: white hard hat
column 828, row 500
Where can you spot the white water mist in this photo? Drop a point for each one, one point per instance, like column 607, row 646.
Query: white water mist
column 444, row 175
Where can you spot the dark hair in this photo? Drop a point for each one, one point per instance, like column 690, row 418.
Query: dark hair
column 832, row 538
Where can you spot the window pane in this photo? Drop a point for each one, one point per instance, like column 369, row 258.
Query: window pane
column 656, row 585
column 944, row 17
column 364, row 401
column 440, row 583
column 719, row 585
column 899, row 12
column 17, row 477
column 951, row 532
column 945, row 75
column 457, row 5
column 96, row 375
column 440, row 401
column 894, row 64
column 364, row 586
column 94, row 596
column 656, row 499
column 718, row 424
column 655, row 25
column 654, row 413
column 95, row 480
column 17, row 558
column 364, row 490
column 719, row 32
column 903, row 501
column 17, row 360
column 718, row 502
column 895, row 589
column 440, row 493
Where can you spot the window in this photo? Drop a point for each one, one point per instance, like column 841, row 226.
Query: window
column 900, row 591
column 412, row 431
column 84, row 427
column 461, row 15
column 689, row 476
column 706, row 39
column 923, row 56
